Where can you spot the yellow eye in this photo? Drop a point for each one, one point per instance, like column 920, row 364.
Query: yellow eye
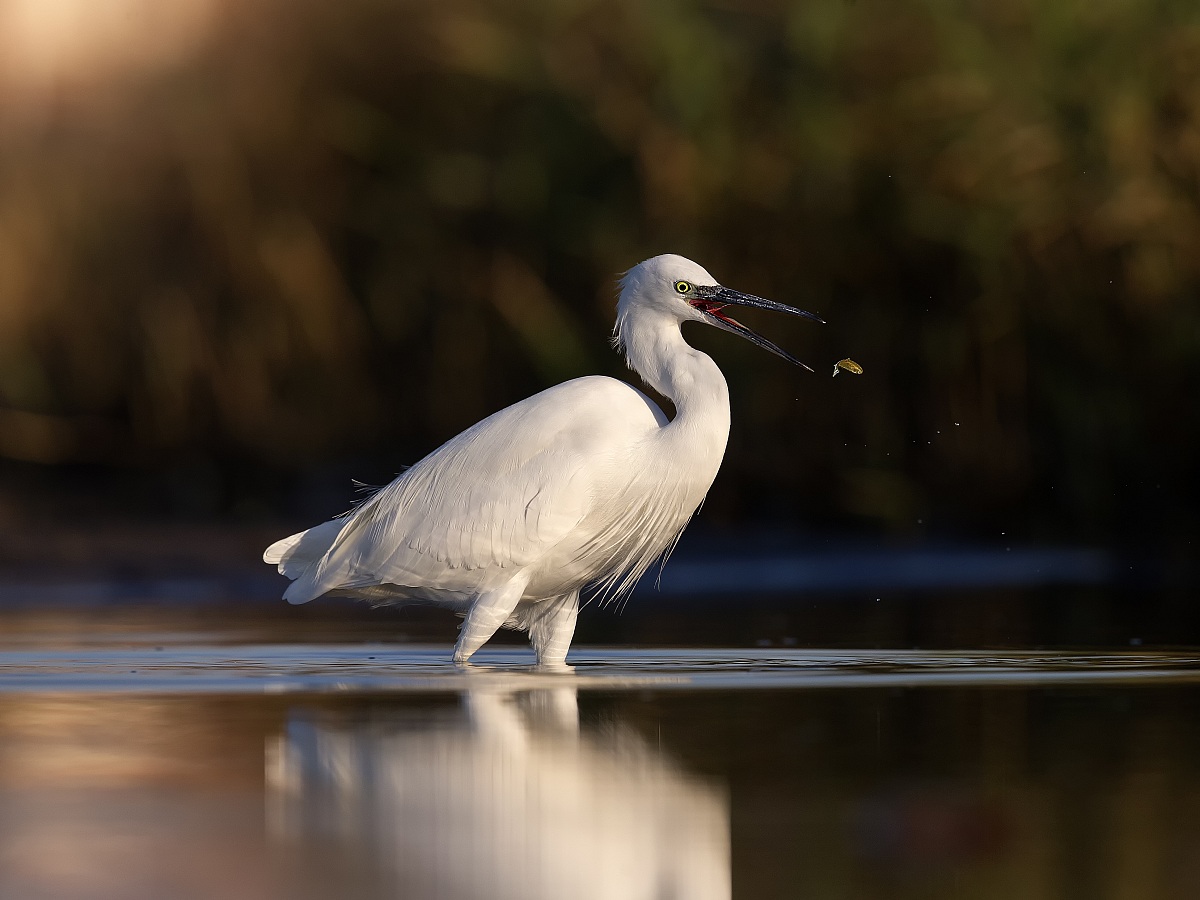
column 682, row 287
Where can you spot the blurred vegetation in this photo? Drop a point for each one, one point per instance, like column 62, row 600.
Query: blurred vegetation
column 289, row 234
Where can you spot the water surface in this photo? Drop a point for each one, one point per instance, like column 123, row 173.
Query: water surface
column 148, row 763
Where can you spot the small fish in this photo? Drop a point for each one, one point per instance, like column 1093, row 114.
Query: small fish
column 848, row 365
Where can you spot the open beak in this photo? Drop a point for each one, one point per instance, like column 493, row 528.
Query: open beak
column 711, row 299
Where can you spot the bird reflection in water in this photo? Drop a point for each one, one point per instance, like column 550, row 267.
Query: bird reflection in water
column 503, row 797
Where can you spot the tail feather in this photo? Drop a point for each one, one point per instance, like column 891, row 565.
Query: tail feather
column 294, row 555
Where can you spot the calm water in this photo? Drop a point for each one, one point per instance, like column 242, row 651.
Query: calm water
column 157, row 762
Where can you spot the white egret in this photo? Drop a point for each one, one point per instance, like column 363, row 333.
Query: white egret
column 579, row 487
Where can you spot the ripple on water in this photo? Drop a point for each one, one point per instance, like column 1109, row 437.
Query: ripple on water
column 313, row 668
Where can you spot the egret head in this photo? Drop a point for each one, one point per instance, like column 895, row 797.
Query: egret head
column 680, row 288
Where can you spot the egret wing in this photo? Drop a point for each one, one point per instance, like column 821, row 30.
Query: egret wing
column 496, row 497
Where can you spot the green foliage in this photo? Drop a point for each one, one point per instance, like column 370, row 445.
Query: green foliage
column 322, row 229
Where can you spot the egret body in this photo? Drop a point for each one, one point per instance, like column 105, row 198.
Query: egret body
column 580, row 487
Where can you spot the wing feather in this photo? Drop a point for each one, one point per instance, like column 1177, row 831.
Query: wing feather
column 496, row 497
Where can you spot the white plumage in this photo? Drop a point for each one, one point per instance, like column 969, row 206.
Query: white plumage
column 582, row 486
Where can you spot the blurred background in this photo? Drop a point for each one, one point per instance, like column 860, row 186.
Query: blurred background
column 252, row 250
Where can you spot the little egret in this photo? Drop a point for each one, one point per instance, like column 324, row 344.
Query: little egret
column 580, row 487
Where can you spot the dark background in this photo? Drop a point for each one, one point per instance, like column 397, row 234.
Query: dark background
column 251, row 250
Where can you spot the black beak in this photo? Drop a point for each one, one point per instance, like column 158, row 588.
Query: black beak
column 710, row 299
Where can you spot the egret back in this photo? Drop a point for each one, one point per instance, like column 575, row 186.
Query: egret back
column 497, row 498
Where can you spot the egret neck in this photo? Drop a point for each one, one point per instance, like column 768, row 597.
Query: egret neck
column 654, row 347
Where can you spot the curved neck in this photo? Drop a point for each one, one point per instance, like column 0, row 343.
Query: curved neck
column 656, row 350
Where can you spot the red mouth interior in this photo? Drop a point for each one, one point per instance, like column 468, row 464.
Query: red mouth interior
column 713, row 308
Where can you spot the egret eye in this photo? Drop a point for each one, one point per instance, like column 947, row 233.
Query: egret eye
column 682, row 287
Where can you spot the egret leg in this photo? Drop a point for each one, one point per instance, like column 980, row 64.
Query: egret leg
column 551, row 627
column 489, row 611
